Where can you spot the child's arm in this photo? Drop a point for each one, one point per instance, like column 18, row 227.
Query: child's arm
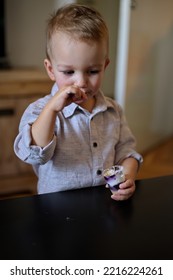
column 127, row 188
column 42, row 130
column 131, row 166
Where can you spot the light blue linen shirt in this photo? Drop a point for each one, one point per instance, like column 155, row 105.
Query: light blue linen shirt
column 84, row 144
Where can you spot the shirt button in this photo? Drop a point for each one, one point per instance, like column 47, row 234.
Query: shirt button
column 99, row 172
column 95, row 144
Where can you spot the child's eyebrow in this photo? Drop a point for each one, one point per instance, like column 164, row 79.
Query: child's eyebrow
column 96, row 65
column 71, row 66
column 64, row 65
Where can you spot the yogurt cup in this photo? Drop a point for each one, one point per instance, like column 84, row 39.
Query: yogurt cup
column 114, row 176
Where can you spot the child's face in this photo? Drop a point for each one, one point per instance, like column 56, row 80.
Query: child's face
column 78, row 63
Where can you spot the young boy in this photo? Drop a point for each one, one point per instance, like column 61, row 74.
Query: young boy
column 73, row 134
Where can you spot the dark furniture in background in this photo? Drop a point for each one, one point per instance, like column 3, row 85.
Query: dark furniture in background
column 3, row 54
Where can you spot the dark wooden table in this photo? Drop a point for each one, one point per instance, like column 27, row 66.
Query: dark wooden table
column 88, row 224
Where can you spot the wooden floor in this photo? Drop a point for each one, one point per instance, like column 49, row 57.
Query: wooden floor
column 157, row 162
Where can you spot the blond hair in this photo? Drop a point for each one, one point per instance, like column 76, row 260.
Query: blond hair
column 79, row 21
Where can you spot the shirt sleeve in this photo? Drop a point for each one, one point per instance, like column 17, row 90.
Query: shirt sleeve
column 23, row 148
column 126, row 146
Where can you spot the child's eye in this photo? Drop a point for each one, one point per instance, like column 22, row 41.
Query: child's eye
column 68, row 72
column 93, row 72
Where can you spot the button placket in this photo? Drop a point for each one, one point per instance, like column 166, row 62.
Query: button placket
column 95, row 147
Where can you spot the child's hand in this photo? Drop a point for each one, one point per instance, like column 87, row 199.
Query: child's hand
column 65, row 97
column 126, row 190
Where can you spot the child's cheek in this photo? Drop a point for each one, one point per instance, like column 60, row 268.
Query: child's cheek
column 97, row 83
column 63, row 81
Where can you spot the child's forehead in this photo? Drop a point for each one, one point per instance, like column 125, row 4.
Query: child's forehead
column 60, row 37
column 64, row 44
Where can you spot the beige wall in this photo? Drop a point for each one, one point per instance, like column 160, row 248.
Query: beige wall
column 149, row 94
column 26, row 24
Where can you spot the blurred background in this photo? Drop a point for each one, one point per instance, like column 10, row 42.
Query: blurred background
column 139, row 77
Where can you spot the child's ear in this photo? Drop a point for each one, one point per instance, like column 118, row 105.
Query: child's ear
column 49, row 69
column 107, row 61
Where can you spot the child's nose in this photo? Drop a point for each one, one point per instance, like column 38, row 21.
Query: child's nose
column 81, row 81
